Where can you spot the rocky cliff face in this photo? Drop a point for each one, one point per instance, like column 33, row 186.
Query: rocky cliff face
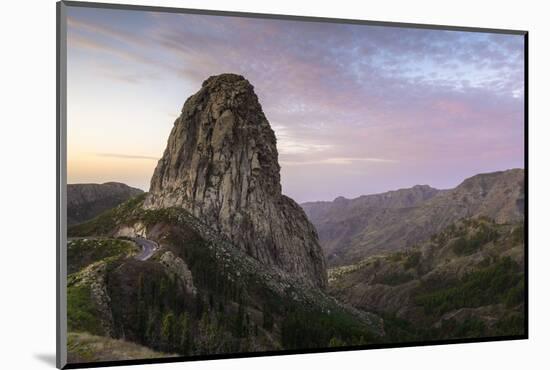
column 352, row 229
column 85, row 201
column 221, row 164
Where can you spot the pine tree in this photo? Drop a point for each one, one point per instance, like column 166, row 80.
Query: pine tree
column 268, row 318
column 336, row 342
column 240, row 329
column 167, row 330
column 184, row 333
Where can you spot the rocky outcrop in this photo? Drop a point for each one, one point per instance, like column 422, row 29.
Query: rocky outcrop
column 178, row 268
column 221, row 165
column 85, row 201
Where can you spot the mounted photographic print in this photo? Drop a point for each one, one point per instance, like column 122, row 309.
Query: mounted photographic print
column 235, row 185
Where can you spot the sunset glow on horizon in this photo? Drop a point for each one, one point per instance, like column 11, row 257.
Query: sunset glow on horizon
column 356, row 109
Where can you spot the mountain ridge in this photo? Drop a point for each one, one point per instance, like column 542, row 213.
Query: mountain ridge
column 87, row 200
column 350, row 230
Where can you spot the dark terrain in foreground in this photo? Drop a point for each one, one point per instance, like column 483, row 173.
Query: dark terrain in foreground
column 198, row 294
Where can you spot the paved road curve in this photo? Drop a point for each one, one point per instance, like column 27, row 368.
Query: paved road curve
column 148, row 247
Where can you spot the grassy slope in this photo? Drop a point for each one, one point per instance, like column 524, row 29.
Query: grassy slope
column 83, row 252
column 85, row 259
column 84, row 347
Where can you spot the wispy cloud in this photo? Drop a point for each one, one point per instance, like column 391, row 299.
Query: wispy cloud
column 338, row 96
column 289, row 142
column 337, row 161
column 105, row 30
column 126, row 156
column 88, row 43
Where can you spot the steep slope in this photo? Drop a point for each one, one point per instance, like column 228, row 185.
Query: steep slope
column 351, row 229
column 341, row 222
column 85, row 201
column 238, row 266
column 467, row 281
column 199, row 293
column 221, row 165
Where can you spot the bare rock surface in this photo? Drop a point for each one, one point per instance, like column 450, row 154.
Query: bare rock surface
column 178, row 268
column 221, row 165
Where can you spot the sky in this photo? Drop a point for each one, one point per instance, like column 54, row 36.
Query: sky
column 356, row 109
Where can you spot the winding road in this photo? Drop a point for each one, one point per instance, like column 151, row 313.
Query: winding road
column 148, row 247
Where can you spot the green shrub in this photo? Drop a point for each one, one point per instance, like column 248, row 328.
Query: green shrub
column 461, row 246
column 399, row 330
column 395, row 278
column 267, row 318
column 516, row 295
column 513, row 324
column 307, row 329
column 396, row 257
column 469, row 328
column 466, row 245
column 413, row 259
column 336, row 342
column 169, row 330
column 82, row 252
column 518, row 234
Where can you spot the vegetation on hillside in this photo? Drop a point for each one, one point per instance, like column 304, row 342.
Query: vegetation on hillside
column 238, row 305
column 82, row 313
column 500, row 282
column 108, row 220
column 83, row 252
column 466, row 281
column 85, row 260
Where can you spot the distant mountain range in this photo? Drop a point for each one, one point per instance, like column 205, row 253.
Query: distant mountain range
column 85, row 201
column 352, row 229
